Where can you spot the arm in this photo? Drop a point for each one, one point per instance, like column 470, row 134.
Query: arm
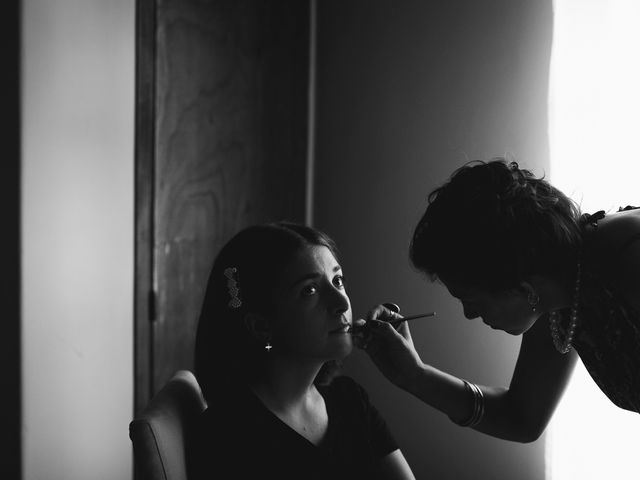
column 631, row 262
column 523, row 411
column 518, row 413
column 617, row 241
column 628, row 260
column 395, row 467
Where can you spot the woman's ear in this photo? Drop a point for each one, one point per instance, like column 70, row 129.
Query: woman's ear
column 534, row 285
column 258, row 326
column 527, row 288
column 531, row 292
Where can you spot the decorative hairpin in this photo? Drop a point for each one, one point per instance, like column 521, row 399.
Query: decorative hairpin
column 232, row 285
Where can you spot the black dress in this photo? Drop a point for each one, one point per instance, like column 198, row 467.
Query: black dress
column 243, row 438
column 608, row 334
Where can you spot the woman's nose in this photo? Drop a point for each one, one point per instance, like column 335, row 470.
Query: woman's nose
column 470, row 313
column 339, row 300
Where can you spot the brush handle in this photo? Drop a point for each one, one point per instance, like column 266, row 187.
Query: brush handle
column 398, row 321
column 395, row 322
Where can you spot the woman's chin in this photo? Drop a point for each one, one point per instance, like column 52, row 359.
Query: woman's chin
column 519, row 330
column 508, row 330
column 342, row 346
column 515, row 333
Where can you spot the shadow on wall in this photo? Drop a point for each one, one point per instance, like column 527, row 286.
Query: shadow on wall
column 406, row 93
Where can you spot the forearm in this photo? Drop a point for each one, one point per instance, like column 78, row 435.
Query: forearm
column 503, row 417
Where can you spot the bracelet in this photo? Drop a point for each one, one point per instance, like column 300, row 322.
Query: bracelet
column 478, row 406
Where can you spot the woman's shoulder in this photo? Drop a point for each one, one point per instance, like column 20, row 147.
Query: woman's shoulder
column 614, row 244
column 612, row 233
column 344, row 383
column 345, row 388
column 228, row 404
column 607, row 235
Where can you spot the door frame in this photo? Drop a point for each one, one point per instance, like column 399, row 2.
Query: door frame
column 145, row 81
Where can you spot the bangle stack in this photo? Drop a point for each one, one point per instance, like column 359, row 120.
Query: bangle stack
column 478, row 406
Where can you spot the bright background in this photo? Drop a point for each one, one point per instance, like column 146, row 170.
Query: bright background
column 77, row 230
column 594, row 122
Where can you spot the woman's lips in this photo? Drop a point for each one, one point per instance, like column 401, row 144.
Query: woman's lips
column 342, row 329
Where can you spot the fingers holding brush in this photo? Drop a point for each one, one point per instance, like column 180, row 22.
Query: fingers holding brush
column 383, row 320
column 396, row 319
column 390, row 347
column 380, row 315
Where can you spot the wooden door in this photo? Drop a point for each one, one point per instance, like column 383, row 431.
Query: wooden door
column 222, row 92
column 10, row 246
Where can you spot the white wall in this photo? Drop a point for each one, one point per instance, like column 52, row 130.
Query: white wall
column 593, row 116
column 407, row 92
column 77, row 230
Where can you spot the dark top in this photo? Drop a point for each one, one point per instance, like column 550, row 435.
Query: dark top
column 608, row 332
column 243, row 438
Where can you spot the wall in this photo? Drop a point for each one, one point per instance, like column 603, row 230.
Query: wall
column 77, row 230
column 407, row 92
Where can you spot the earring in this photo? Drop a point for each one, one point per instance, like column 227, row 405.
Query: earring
column 268, row 347
column 533, row 299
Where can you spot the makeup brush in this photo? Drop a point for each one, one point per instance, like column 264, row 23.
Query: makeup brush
column 397, row 321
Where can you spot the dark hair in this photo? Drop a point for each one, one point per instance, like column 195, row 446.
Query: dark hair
column 225, row 351
column 493, row 224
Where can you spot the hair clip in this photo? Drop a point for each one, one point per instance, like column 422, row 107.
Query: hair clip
column 232, row 285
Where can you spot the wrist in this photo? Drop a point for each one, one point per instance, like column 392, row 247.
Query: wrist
column 414, row 379
column 475, row 414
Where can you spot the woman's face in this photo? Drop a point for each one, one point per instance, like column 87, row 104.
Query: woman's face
column 313, row 309
column 508, row 311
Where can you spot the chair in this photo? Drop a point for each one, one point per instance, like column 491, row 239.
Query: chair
column 160, row 432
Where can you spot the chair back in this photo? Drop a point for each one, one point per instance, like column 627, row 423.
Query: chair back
column 160, row 433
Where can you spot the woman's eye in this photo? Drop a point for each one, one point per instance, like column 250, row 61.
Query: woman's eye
column 309, row 290
column 338, row 281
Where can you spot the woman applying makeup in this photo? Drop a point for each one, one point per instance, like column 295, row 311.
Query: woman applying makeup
column 519, row 255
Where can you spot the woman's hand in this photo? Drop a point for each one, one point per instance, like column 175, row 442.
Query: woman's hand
column 391, row 350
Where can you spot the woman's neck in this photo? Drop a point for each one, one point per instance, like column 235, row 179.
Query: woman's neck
column 286, row 385
column 292, row 396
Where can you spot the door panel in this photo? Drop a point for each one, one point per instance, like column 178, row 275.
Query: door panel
column 229, row 149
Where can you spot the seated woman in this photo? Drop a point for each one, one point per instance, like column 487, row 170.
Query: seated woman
column 275, row 323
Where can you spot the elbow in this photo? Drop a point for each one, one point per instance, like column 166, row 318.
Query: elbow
column 521, row 435
column 524, row 423
column 520, row 426
column 528, row 431
column 530, row 436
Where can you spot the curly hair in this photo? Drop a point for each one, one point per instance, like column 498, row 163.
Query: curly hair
column 225, row 351
column 493, row 225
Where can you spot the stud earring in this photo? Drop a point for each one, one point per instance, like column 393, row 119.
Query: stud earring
column 533, row 299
